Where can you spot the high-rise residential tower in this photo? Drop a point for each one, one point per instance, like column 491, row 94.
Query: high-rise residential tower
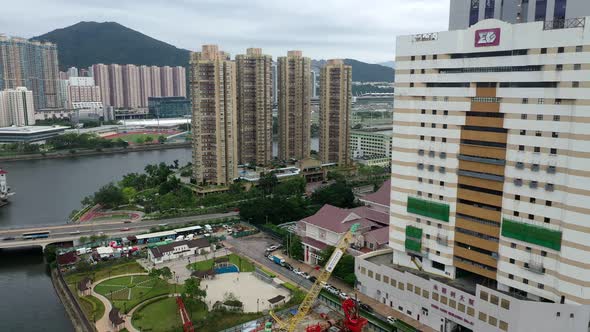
column 156, row 81
column 72, row 72
column 214, row 122
column 100, row 73
column 465, row 13
column 145, row 85
column 30, row 64
column 335, row 108
column 254, row 93
column 131, row 86
column 166, row 81
column 275, row 84
column 117, row 98
column 314, row 84
column 489, row 187
column 16, row 107
column 294, row 73
column 179, row 81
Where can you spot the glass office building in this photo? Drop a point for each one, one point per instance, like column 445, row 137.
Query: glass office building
column 169, row 107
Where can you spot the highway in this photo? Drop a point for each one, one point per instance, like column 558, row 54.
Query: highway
column 112, row 228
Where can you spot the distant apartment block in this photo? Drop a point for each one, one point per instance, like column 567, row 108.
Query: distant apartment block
column 33, row 65
column 17, row 107
column 254, row 97
column 294, row 114
column 214, row 121
column 371, row 146
column 558, row 13
column 130, row 86
column 335, row 108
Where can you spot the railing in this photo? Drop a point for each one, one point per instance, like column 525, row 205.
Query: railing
column 86, row 325
column 578, row 22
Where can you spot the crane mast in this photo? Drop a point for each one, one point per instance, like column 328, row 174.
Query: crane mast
column 325, row 273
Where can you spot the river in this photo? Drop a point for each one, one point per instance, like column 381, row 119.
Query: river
column 46, row 192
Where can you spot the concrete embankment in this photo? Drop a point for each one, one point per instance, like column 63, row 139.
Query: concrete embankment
column 73, row 309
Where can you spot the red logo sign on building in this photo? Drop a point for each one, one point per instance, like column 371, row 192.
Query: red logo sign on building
column 487, row 37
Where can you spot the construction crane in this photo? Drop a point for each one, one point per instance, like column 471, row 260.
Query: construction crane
column 325, row 273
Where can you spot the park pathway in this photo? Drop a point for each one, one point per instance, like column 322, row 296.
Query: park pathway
column 103, row 324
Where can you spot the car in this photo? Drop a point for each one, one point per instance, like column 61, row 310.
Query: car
column 298, row 272
column 127, row 221
column 312, row 279
column 272, row 248
column 126, row 229
column 391, row 320
column 333, row 291
column 288, row 266
column 366, row 307
column 343, row 295
column 327, row 286
column 270, row 257
column 9, row 238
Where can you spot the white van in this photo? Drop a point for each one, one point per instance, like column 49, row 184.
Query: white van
column 180, row 238
column 190, row 236
column 208, row 228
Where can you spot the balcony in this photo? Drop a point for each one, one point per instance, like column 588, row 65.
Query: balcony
column 535, row 265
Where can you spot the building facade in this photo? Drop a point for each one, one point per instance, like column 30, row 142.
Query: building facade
column 166, row 78
column 371, row 146
column 179, row 81
column 145, row 84
column 17, row 107
column 254, row 93
column 100, row 73
column 558, row 13
column 489, row 174
column 214, row 120
column 33, row 65
column 169, row 107
column 335, row 108
column 294, row 87
column 117, row 97
column 131, row 86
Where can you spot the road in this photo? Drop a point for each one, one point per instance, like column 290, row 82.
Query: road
column 113, row 228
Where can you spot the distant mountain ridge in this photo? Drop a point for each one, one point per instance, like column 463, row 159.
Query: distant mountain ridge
column 86, row 43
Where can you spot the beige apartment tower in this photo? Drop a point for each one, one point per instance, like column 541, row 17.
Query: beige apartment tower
column 335, row 104
column 215, row 131
column 294, row 73
column 254, row 97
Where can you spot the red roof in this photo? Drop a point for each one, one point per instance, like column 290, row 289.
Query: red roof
column 339, row 220
column 3, row 172
column 373, row 215
column 380, row 235
column 314, row 243
column 381, row 196
column 67, row 258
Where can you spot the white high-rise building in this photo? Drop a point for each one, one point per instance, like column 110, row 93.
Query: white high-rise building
column 488, row 216
column 16, row 107
column 72, row 72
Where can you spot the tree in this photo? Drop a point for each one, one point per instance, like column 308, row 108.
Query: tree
column 268, row 182
column 193, row 291
column 296, row 248
column 83, row 266
column 338, row 194
column 345, row 267
column 129, row 193
column 83, row 239
column 149, row 139
column 166, row 273
column 162, row 139
column 109, row 196
column 292, row 187
column 50, row 253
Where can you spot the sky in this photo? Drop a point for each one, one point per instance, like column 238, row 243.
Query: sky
column 360, row 29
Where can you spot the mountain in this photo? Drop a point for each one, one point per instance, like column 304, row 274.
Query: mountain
column 362, row 71
column 390, row 64
column 87, row 43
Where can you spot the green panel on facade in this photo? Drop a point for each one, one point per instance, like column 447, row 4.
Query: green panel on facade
column 532, row 234
column 413, row 245
column 413, row 232
column 439, row 211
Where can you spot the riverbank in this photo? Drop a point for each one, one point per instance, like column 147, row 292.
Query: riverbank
column 96, row 152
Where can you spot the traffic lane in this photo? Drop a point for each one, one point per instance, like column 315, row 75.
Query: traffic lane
column 255, row 248
column 111, row 226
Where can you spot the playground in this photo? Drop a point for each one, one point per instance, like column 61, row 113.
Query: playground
column 128, row 291
column 143, row 137
column 253, row 292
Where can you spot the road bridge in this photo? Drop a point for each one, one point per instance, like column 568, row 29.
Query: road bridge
column 12, row 238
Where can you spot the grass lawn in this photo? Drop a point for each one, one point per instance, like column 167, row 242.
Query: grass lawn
column 218, row 321
column 242, row 263
column 162, row 315
column 127, row 292
column 93, row 307
column 102, row 272
column 134, row 137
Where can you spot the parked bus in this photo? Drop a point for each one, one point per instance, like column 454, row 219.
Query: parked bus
column 36, row 235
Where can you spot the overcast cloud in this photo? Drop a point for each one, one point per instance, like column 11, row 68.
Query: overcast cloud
column 359, row 29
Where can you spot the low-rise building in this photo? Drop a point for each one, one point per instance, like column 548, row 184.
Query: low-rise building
column 29, row 134
column 326, row 227
column 379, row 200
column 169, row 107
column 178, row 249
column 84, row 287
column 371, row 146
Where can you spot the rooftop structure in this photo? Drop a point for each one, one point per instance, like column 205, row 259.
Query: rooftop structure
column 29, row 133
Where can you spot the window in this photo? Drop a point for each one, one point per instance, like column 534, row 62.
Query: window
column 554, row 135
column 521, row 148
column 423, row 111
column 443, row 299
column 424, row 57
column 425, row 294
column 560, row 49
column 579, row 48
column 525, row 100
column 543, row 51
column 400, row 285
column 482, row 316
column 483, row 296
column 511, row 260
column 527, row 249
column 575, row 84
column 422, row 124
column 540, row 286
column 421, row 137
column 557, row 101
column 411, row 71
column 470, row 311
column 553, row 151
column 525, row 281
column 543, row 253
column 505, row 304
column 378, row 276
column 523, row 116
column 539, row 116
column 523, row 132
column 537, row 149
column 532, row 216
column 503, row 326
column 410, row 287
column 516, row 213
column 432, row 138
column 559, row 67
column 538, row 133
column 433, row 112
column 441, row 183
column 445, row 126
column 412, row 85
column 494, row 299
column 517, row 197
column 511, row 276
column 452, row 303
column 434, row 57
column 444, row 139
column 417, row 290
column 422, row 71
column 513, row 245
column 445, row 112
column 547, row 220
column 413, row 58
column 492, row 321
column 533, row 200
column 433, row 125
column 572, row 315
column 556, row 118
column 558, row 314
column 461, row 307
column 577, row 66
column 370, row 274
column 435, row 296
column 540, row 101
